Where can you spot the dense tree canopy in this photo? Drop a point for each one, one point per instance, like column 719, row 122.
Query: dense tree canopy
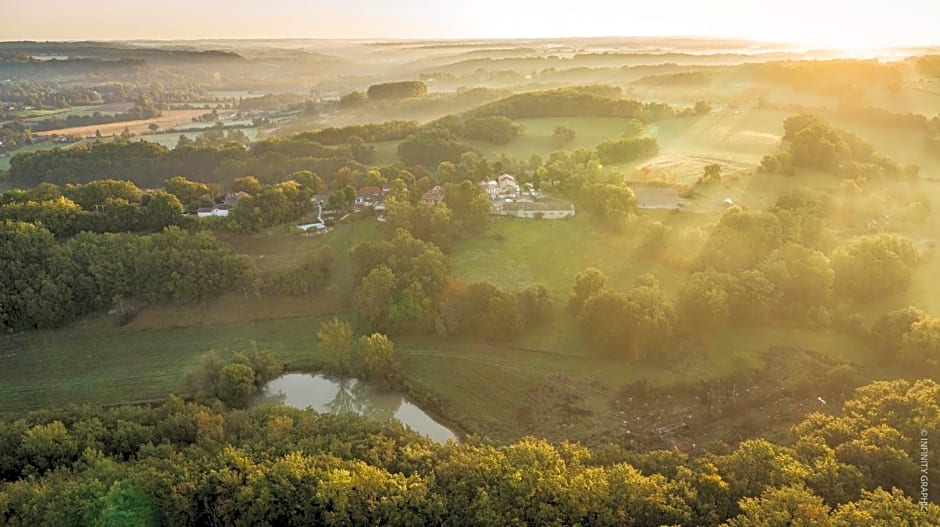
column 186, row 464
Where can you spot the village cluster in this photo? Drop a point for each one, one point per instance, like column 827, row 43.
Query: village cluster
column 507, row 198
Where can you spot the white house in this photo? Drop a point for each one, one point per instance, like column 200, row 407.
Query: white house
column 220, row 210
column 491, row 188
column 508, row 188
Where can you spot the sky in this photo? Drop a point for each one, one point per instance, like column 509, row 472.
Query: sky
column 846, row 24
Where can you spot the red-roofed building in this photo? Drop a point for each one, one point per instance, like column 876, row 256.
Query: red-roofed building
column 369, row 196
column 435, row 196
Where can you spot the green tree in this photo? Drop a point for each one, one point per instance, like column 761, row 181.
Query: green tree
column 379, row 364
column 374, row 298
column 872, row 266
column 335, row 338
column 787, row 506
column 711, row 174
column 237, row 385
column 561, row 136
column 586, row 284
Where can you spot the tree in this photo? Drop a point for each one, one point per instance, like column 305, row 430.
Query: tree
column 486, row 312
column 612, row 204
column 635, row 128
column 309, row 180
column 921, row 345
column 792, row 505
column 704, row 301
column 446, row 172
column 625, row 150
column 469, row 205
column 378, row 360
column 712, row 174
column 335, row 338
column 186, row 191
column 561, row 136
column 887, row 333
column 264, row 363
column 374, row 298
column 802, row 278
column 237, row 385
column 586, row 284
column 535, row 305
column 162, row 210
column 872, row 266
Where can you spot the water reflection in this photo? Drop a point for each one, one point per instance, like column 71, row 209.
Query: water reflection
column 345, row 395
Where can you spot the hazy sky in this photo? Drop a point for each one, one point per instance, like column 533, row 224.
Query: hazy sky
column 845, row 23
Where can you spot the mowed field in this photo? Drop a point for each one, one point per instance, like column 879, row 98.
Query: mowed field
column 168, row 119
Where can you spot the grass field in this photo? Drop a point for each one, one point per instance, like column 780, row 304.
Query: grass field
column 515, row 253
column 479, row 388
column 168, row 119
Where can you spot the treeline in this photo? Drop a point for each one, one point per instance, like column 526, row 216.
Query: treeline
column 840, row 78
column 627, row 149
column 49, row 283
column 99, row 206
column 370, row 133
column 148, row 164
column 53, row 95
column 574, row 102
column 186, row 464
column 431, row 147
column 397, row 90
column 497, row 130
column 812, row 142
column 442, row 140
column 277, row 102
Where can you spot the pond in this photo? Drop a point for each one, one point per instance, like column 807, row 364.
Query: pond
column 344, row 395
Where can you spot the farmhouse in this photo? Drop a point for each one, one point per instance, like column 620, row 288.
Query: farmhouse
column 435, row 196
column 491, row 188
column 542, row 210
column 656, row 197
column 508, row 188
column 369, row 196
column 219, row 210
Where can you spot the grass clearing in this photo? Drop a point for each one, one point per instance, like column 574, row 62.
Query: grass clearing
column 108, row 365
column 515, row 253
